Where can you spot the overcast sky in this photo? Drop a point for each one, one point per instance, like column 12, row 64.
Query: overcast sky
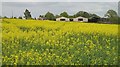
column 40, row 8
column 59, row 0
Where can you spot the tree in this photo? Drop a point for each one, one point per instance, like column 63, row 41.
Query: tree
column 27, row 14
column 57, row 16
column 19, row 17
column 71, row 16
column 64, row 14
column 119, row 9
column 41, row 16
column 94, row 18
column 112, row 16
column 82, row 13
column 49, row 16
column 94, row 15
column 111, row 13
column 5, row 17
column 0, row 17
column 35, row 18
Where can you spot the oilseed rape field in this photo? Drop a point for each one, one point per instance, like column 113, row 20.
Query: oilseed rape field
column 38, row 42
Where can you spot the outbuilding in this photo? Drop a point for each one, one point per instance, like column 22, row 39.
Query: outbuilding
column 41, row 18
column 80, row 19
column 62, row 19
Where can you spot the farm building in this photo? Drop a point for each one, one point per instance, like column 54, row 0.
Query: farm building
column 78, row 19
column 62, row 19
column 41, row 18
column 81, row 19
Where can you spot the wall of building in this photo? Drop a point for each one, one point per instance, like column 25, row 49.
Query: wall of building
column 77, row 19
column 74, row 19
column 59, row 19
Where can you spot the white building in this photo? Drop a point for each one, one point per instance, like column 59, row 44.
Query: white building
column 40, row 18
column 80, row 19
column 62, row 19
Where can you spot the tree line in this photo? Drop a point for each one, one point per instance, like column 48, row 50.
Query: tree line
column 111, row 16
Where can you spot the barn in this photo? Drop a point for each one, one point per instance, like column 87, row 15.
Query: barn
column 62, row 19
column 80, row 19
column 41, row 18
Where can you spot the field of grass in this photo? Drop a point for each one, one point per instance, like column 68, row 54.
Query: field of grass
column 35, row 42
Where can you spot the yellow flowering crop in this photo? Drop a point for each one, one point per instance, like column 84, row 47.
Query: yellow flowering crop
column 35, row 42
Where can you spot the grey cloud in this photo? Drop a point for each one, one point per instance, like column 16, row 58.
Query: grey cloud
column 38, row 8
column 60, row 0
